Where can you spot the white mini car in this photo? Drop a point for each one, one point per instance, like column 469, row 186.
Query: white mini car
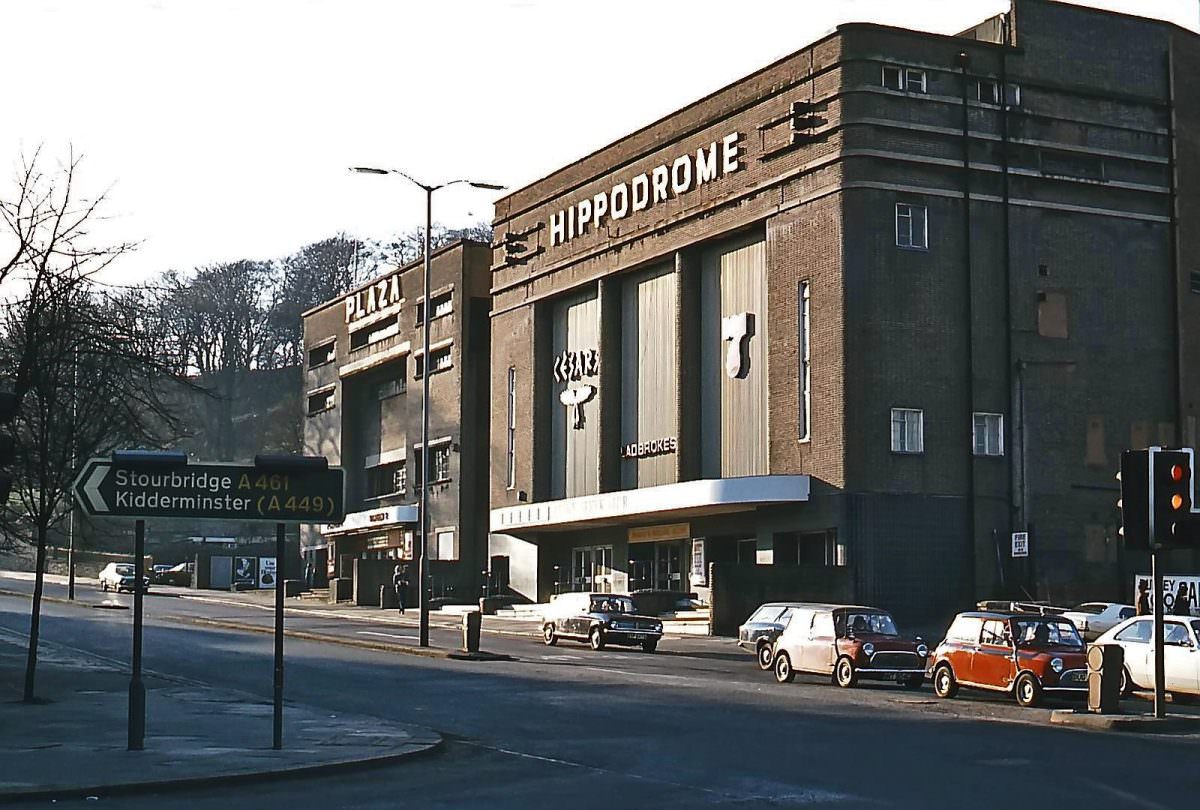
column 1181, row 652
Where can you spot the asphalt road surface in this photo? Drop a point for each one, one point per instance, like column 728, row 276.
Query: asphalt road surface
column 695, row 724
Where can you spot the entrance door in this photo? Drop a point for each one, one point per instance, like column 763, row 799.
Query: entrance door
column 668, row 566
column 592, row 569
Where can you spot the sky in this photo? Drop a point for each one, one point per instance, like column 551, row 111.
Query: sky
column 224, row 129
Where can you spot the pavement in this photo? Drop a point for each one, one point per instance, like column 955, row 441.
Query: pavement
column 72, row 742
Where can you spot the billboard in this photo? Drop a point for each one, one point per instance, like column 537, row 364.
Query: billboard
column 1171, row 585
column 266, row 572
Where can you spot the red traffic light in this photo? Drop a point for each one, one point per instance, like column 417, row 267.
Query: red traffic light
column 1178, row 472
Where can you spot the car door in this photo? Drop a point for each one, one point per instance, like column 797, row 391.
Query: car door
column 1134, row 639
column 794, row 636
column 818, row 652
column 992, row 659
column 1179, row 656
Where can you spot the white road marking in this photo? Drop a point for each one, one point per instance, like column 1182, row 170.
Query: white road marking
column 386, row 635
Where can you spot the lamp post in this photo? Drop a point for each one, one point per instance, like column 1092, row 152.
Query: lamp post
column 423, row 537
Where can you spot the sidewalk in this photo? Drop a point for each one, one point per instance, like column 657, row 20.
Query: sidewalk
column 72, row 743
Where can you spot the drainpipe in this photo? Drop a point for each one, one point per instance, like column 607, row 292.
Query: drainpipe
column 964, row 64
column 1173, row 246
column 1006, row 258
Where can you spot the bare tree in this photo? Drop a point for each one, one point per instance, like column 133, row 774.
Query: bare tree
column 86, row 374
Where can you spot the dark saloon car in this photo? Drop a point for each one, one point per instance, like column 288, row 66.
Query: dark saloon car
column 1021, row 654
column 599, row 619
column 763, row 628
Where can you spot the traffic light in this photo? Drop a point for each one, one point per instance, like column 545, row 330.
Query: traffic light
column 1174, row 521
column 1135, row 498
column 8, row 411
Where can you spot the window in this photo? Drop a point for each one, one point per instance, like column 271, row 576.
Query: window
column 987, row 91
column 1073, row 165
column 374, row 333
column 805, row 380
column 1138, row 632
column 444, row 545
column 439, row 464
column 442, row 360
column 965, row 629
column 897, row 78
column 912, row 226
column 442, row 305
column 1176, row 633
column 387, row 479
column 908, row 430
column 391, row 388
column 320, row 355
column 987, row 434
column 1196, row 281
column 322, row 400
column 995, row 633
column 511, row 465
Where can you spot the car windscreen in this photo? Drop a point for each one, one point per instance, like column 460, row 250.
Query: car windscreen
column 612, row 604
column 1093, row 608
column 862, row 622
column 1031, row 633
column 125, row 570
column 765, row 614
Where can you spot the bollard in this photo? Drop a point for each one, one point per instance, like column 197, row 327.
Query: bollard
column 1105, row 662
column 472, row 622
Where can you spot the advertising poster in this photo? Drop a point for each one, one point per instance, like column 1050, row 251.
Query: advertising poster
column 1172, row 593
column 245, row 572
column 699, row 574
column 266, row 572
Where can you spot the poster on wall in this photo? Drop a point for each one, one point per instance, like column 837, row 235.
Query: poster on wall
column 266, row 572
column 699, row 575
column 245, row 572
column 1171, row 592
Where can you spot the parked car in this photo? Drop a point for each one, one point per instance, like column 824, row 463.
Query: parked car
column 1023, row 654
column 848, row 642
column 759, row 632
column 120, row 577
column 1181, row 653
column 179, row 574
column 158, row 574
column 599, row 619
column 1093, row 618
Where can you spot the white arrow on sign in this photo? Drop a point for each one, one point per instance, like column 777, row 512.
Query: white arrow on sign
column 91, row 488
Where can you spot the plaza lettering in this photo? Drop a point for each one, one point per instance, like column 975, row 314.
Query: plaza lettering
column 383, row 294
column 667, row 180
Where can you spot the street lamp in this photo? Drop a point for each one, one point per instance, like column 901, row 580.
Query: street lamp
column 423, row 541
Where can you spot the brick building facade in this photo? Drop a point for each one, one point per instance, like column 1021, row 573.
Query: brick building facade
column 363, row 369
column 876, row 306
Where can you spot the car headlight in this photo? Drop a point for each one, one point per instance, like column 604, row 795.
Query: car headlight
column 922, row 650
column 1057, row 665
column 658, row 627
column 868, row 649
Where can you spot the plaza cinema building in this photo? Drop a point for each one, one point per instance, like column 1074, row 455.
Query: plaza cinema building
column 875, row 307
column 362, row 377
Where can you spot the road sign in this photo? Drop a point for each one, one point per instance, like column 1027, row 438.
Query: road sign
column 216, row 491
column 1020, row 544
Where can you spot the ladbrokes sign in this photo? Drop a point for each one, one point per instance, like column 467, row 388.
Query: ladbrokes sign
column 683, row 174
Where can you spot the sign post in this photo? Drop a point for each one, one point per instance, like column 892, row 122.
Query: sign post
column 144, row 484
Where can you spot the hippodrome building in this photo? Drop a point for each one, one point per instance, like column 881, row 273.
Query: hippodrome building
column 364, row 361
column 873, row 308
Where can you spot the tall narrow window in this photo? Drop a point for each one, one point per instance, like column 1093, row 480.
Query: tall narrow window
column 987, row 434
column 512, row 427
column 805, row 379
column 912, row 226
column 908, row 430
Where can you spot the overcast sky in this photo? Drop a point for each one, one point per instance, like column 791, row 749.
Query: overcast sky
column 225, row 127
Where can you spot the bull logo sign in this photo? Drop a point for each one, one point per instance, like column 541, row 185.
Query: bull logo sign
column 736, row 331
column 574, row 399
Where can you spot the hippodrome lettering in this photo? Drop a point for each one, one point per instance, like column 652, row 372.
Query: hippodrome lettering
column 664, row 181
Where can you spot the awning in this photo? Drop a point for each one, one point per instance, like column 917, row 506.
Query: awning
column 688, row 499
column 385, row 518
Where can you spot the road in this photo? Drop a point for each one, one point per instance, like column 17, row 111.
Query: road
column 693, row 725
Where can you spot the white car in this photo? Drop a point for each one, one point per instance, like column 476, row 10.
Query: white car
column 1093, row 618
column 119, row 577
column 1181, row 651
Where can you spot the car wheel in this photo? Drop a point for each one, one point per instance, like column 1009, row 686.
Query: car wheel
column 549, row 636
column 783, row 668
column 945, row 685
column 844, row 674
column 596, row 638
column 764, row 656
column 1029, row 690
column 913, row 682
column 650, row 646
column 104, row 586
